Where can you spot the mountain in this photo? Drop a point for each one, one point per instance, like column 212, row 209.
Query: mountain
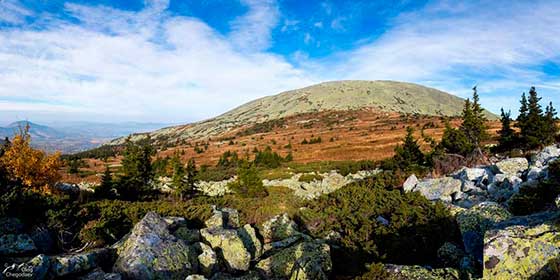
column 384, row 96
column 38, row 132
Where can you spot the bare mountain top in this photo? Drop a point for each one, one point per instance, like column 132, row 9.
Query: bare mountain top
column 387, row 96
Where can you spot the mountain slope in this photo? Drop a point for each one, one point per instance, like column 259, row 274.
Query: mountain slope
column 37, row 131
column 386, row 96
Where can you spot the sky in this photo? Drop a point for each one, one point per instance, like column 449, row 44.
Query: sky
column 178, row 61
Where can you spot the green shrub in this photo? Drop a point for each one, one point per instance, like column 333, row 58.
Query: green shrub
column 248, row 183
column 375, row 271
column 416, row 230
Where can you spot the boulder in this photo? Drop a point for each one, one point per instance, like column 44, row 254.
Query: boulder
column 229, row 246
column 470, row 174
column 276, row 245
column 16, row 244
column 535, row 174
column 512, row 166
column 251, row 241
column 223, row 218
column 306, row 260
column 439, row 189
column 522, row 252
column 99, row 274
column 474, row 222
column 547, row 155
column 416, row 272
column 196, row 277
column 278, row 228
column 82, row 262
column 40, row 265
column 152, row 252
column 207, row 259
column 410, row 183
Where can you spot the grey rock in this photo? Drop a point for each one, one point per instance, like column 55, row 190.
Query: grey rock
column 439, row 189
column 207, row 259
column 382, row 220
column 251, row 241
column 547, row 155
column 82, row 262
column 152, row 252
column 196, row 277
column 410, row 183
column 470, row 174
column 278, row 228
column 41, row 265
column 512, row 166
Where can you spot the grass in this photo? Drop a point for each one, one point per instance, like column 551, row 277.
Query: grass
column 310, row 177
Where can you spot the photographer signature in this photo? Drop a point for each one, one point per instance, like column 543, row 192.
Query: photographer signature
column 18, row 270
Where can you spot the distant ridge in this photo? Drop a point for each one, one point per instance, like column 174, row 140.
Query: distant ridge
column 386, row 96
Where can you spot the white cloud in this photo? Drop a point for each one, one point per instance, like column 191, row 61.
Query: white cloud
column 253, row 30
column 142, row 65
column 12, row 12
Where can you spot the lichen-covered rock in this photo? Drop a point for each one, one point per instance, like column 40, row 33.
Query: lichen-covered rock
column 416, row 272
column 207, row 259
column 520, row 252
column 470, row 174
column 251, row 241
column 223, row 218
column 99, row 274
column 512, row 166
column 79, row 263
column 278, row 228
column 16, row 244
column 502, row 191
column 475, row 221
column 219, row 188
column 410, row 183
column 306, row 260
column 195, row 277
column 439, row 189
column 152, row 252
column 229, row 246
column 282, row 243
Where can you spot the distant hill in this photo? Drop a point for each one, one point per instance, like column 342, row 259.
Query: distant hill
column 37, row 131
column 385, row 96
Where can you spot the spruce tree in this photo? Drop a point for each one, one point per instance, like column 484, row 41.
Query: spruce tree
column 474, row 122
column 507, row 138
column 409, row 153
column 105, row 189
column 550, row 127
column 191, row 173
column 178, row 178
column 532, row 126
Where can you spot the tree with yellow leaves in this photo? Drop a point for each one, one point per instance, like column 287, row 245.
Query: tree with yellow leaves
column 31, row 167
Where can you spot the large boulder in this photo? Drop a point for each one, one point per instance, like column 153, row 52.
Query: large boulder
column 512, row 166
column 522, row 252
column 82, row 262
column 251, row 241
column 16, row 244
column 471, row 174
column 474, row 222
column 306, row 260
column 152, row 252
column 207, row 259
column 230, row 246
column 278, row 228
column 439, row 189
column 416, row 272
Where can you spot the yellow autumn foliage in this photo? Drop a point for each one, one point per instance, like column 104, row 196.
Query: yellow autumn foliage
column 32, row 167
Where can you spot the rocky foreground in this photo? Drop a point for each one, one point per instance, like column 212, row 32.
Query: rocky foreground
column 495, row 243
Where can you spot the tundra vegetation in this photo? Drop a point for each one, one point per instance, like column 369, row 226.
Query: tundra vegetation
column 376, row 220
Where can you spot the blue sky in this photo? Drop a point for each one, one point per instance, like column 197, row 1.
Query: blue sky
column 181, row 61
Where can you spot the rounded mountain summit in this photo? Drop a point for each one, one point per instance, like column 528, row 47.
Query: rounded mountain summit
column 385, row 96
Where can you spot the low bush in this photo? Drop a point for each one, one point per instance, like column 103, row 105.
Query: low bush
column 379, row 225
column 531, row 199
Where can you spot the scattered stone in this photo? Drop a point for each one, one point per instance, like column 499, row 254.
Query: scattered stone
column 219, row 188
column 512, row 166
column 278, row 228
column 410, row 183
column 229, row 246
column 307, row 260
column 470, row 174
column 82, row 262
column 520, row 252
column 152, row 252
column 382, row 220
column 547, row 155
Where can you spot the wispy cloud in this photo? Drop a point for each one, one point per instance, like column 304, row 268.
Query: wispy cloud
column 253, row 30
column 12, row 12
